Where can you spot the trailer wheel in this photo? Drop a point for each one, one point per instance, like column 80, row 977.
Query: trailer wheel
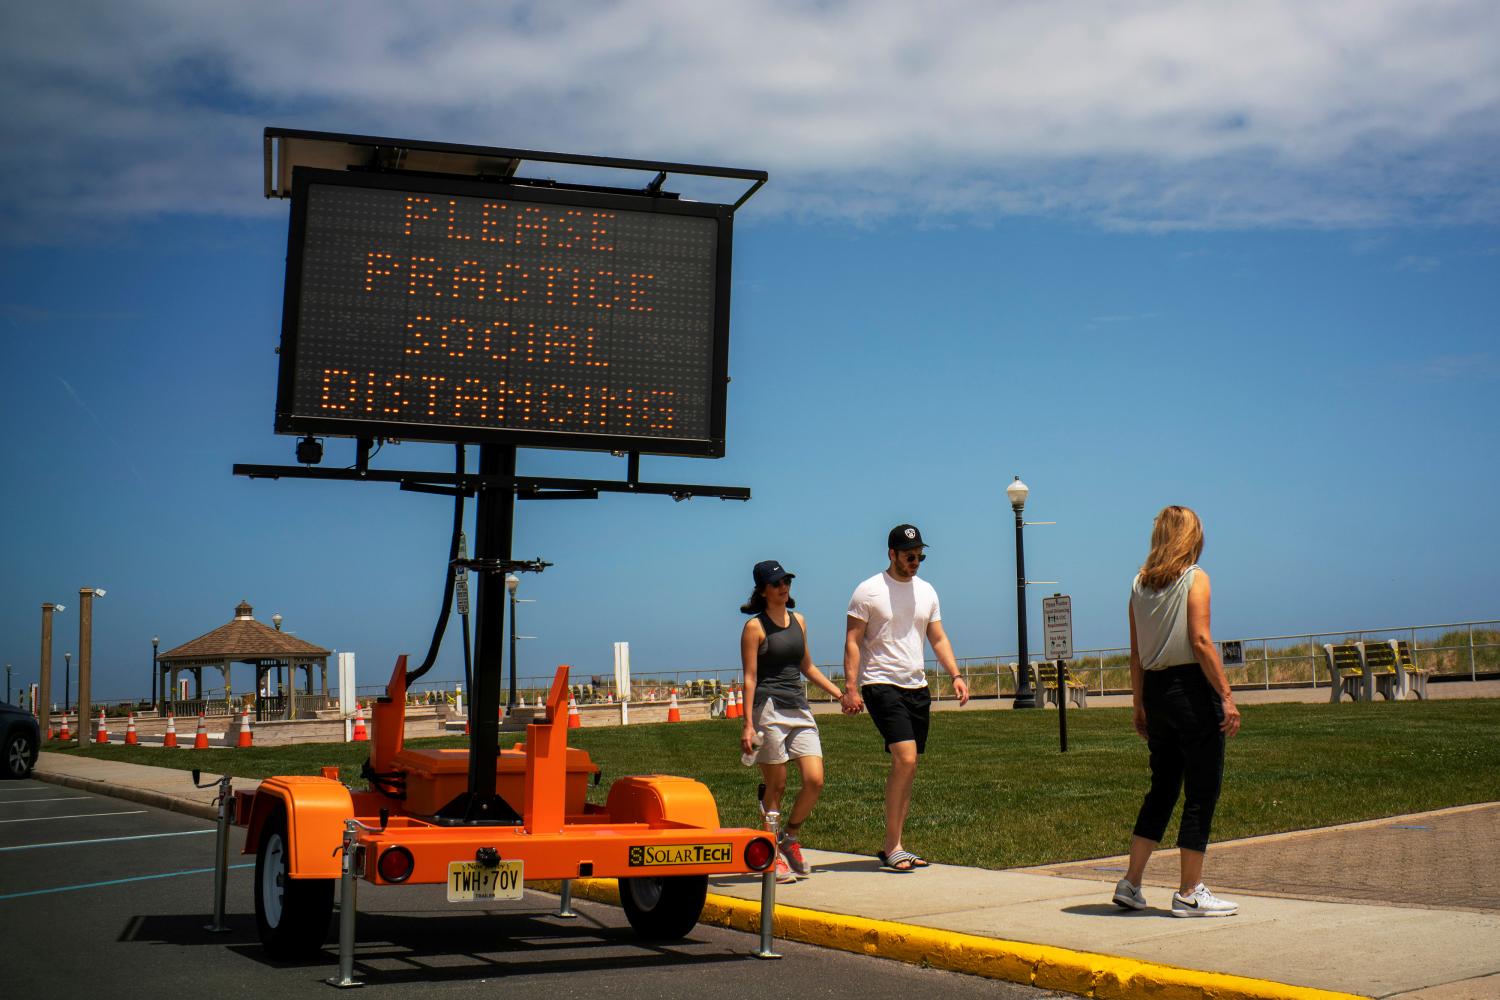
column 664, row 909
column 293, row 914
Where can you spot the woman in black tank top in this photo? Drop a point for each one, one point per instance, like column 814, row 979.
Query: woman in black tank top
column 776, row 656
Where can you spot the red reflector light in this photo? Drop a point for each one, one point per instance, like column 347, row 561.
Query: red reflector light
column 395, row 865
column 759, row 854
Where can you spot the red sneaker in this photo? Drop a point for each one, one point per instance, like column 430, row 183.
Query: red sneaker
column 791, row 849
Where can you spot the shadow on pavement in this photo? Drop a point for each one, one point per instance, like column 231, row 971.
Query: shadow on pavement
column 1111, row 910
column 394, row 949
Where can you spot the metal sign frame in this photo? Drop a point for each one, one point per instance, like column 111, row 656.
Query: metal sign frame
column 288, row 421
column 1057, row 625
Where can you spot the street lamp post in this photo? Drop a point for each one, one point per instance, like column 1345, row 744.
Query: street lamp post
column 86, row 597
column 155, row 642
column 512, row 584
column 45, row 693
column 67, row 675
column 1017, row 492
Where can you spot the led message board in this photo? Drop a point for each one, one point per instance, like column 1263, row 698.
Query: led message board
column 446, row 310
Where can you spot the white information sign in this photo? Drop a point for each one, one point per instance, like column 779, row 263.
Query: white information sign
column 346, row 684
column 1057, row 624
column 622, row 680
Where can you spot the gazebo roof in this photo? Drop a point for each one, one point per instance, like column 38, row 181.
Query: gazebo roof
column 244, row 638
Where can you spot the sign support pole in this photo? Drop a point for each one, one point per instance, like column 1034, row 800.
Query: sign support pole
column 495, row 530
column 1062, row 704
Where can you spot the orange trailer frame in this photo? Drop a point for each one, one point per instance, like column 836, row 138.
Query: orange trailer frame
column 657, row 828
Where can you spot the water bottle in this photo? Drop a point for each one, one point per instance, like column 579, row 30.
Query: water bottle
column 748, row 759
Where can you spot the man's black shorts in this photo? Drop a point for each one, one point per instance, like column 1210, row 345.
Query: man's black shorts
column 899, row 713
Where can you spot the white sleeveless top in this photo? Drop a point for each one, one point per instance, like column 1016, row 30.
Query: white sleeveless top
column 1161, row 626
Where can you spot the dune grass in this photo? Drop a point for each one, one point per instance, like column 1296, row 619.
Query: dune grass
column 994, row 791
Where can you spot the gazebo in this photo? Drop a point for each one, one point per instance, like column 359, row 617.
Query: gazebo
column 245, row 640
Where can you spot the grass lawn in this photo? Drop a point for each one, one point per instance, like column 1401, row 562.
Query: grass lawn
column 994, row 791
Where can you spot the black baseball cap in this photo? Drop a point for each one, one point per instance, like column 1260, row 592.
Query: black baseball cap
column 905, row 536
column 770, row 571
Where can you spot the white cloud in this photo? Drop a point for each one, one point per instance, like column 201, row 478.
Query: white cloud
column 1169, row 114
column 1480, row 366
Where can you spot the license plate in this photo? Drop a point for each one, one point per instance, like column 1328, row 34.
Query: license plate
column 469, row 880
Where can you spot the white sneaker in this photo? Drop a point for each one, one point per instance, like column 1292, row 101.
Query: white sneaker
column 1129, row 896
column 784, row 873
column 1202, row 903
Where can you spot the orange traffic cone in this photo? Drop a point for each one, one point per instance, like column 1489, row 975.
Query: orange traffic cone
column 102, row 735
column 65, row 735
column 200, row 741
column 361, row 735
column 131, row 739
column 674, row 714
column 521, row 701
column 502, row 714
column 736, row 707
column 575, row 720
column 247, row 738
column 169, row 738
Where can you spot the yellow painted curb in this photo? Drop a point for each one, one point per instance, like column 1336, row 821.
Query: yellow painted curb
column 1102, row 977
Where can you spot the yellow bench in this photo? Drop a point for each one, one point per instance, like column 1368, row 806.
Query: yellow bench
column 1380, row 661
column 1394, row 656
column 1046, row 682
column 1346, row 671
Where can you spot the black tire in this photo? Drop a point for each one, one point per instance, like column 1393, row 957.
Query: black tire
column 664, row 909
column 20, row 755
column 293, row 915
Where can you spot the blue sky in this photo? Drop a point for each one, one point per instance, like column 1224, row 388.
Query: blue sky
column 1241, row 259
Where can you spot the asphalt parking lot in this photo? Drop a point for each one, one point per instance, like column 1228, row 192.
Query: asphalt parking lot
column 102, row 896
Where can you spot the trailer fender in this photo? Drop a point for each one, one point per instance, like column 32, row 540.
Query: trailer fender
column 662, row 800
column 316, row 809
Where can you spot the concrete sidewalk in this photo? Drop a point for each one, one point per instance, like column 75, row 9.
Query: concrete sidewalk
column 1313, row 911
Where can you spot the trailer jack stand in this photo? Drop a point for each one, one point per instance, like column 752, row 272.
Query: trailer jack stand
column 565, row 903
column 348, row 892
column 768, row 888
column 225, row 802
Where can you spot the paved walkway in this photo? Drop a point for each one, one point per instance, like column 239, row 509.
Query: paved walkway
column 1402, row 907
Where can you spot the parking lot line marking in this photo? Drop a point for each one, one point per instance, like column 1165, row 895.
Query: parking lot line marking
column 107, row 840
column 117, row 881
column 38, row 819
column 65, row 798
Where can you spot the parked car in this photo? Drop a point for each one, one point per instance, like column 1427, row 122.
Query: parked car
column 20, row 741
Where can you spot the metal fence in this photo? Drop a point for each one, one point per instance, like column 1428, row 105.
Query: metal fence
column 1466, row 650
column 1457, row 650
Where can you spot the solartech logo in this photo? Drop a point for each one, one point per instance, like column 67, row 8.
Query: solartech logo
column 680, row 854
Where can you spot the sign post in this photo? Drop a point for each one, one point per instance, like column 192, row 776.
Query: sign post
column 1057, row 623
column 622, row 680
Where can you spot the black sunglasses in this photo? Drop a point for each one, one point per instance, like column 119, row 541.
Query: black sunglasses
column 921, row 556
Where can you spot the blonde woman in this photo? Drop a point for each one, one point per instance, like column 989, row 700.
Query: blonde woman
column 776, row 656
column 1184, row 710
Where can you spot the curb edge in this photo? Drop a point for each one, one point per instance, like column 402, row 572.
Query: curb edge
column 1088, row 974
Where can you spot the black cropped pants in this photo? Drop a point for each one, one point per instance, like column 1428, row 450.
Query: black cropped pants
column 1183, row 715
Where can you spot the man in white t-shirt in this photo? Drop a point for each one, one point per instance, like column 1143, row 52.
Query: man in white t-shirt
column 890, row 615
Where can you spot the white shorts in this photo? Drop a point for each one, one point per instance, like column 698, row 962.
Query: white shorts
column 787, row 733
